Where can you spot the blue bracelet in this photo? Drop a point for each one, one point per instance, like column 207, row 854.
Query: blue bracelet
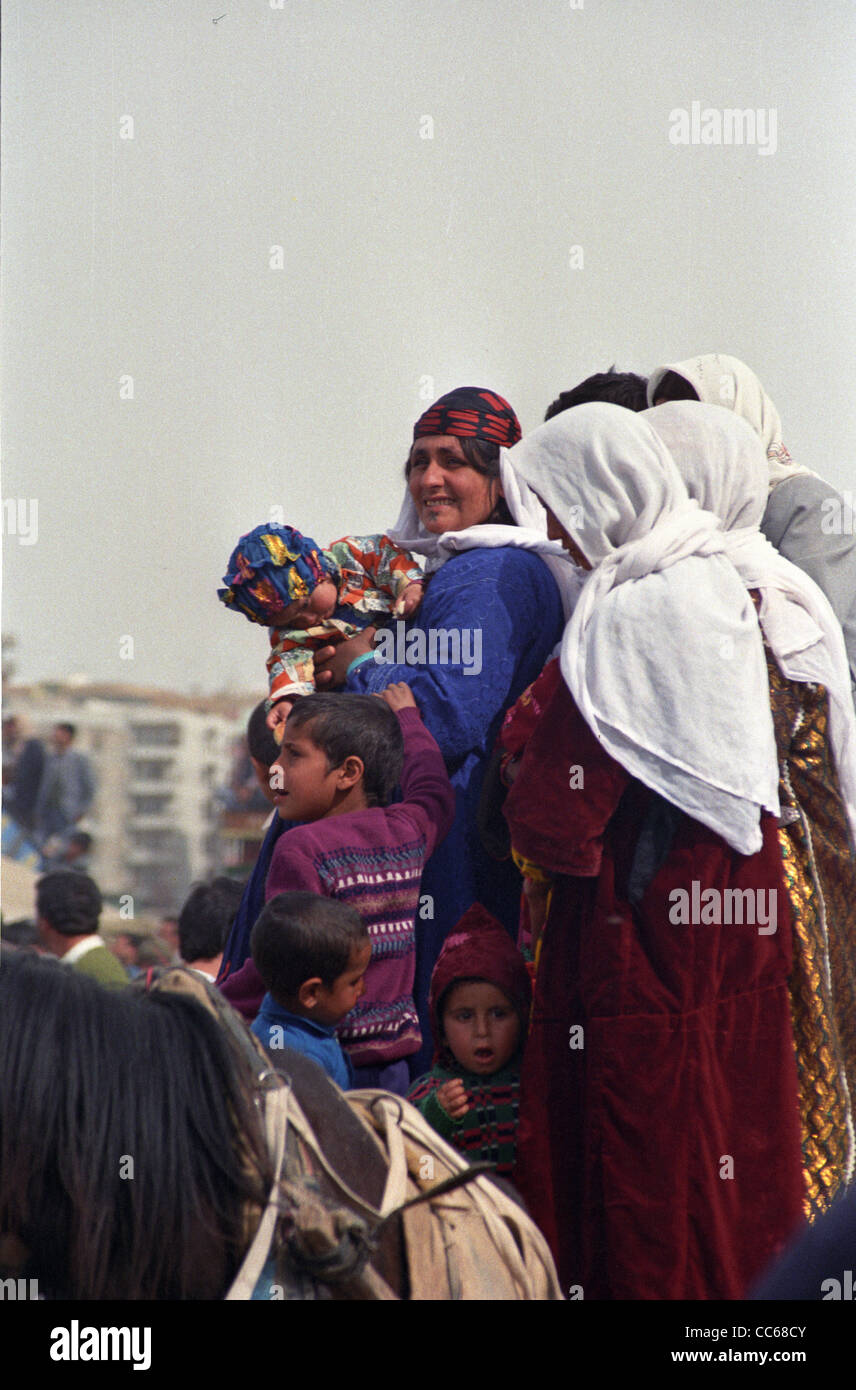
column 358, row 661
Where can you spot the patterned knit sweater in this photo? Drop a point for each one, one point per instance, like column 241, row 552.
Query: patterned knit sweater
column 488, row 1131
column 372, row 860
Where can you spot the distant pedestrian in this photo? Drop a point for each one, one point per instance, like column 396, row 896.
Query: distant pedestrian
column 204, row 923
column 23, row 769
column 67, row 787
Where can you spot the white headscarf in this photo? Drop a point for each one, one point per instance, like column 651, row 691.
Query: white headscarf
column 722, row 463
column 721, row 380
column 529, row 534
column 663, row 653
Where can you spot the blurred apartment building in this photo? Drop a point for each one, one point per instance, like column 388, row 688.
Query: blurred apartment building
column 162, row 763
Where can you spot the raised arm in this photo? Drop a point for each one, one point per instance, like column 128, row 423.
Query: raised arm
column 426, row 790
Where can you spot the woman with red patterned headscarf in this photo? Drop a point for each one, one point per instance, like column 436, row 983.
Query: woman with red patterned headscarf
column 489, row 619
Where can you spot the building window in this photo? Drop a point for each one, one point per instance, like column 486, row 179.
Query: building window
column 158, row 840
column 156, row 735
column 143, row 770
column 150, row 805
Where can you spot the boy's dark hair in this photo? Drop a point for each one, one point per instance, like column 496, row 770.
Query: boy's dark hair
column 70, row 729
column 359, row 726
column 301, row 936
column 621, row 388
column 260, row 740
column 69, row 902
column 205, row 919
column 674, row 387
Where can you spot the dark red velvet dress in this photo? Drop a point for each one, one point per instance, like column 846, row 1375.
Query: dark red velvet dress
column 659, row 1147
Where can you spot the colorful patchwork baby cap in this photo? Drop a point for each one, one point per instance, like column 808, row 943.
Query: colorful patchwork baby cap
column 479, row 948
column 271, row 567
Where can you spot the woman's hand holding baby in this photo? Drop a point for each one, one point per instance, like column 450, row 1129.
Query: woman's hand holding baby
column 331, row 663
column 452, row 1095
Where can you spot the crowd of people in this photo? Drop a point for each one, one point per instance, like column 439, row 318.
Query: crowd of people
column 563, row 771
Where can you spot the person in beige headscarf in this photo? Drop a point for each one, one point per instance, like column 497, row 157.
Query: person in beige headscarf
column 805, row 518
column 722, row 463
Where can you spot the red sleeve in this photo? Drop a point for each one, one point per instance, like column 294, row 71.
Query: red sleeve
column 291, row 870
column 565, row 792
column 521, row 720
column 245, row 990
column 427, row 793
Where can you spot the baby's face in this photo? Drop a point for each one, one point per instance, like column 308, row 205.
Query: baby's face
column 480, row 1026
column 309, row 611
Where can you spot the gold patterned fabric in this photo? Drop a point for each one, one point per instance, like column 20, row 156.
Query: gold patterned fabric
column 820, row 875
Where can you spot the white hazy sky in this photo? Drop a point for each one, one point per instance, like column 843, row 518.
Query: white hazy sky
column 404, row 258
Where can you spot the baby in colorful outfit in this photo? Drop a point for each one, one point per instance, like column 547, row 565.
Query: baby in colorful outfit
column 284, row 580
column 479, row 1000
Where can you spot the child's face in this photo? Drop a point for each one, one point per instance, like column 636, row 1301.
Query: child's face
column 309, row 611
column 337, row 1000
column 480, row 1027
column 304, row 787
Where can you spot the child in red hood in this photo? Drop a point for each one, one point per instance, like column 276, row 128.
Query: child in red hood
column 479, row 1000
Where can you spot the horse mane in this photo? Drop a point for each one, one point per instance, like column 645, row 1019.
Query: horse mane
column 131, row 1153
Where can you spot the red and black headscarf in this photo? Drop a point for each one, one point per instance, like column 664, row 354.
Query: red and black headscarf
column 471, row 413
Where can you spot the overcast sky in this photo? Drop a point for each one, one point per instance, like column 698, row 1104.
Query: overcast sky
column 422, row 170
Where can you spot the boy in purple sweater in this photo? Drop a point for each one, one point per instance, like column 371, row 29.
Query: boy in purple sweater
column 341, row 758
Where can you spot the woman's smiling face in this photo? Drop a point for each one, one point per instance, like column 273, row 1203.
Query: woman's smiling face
column 449, row 494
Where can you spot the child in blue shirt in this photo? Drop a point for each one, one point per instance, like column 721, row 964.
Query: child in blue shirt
column 312, row 954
